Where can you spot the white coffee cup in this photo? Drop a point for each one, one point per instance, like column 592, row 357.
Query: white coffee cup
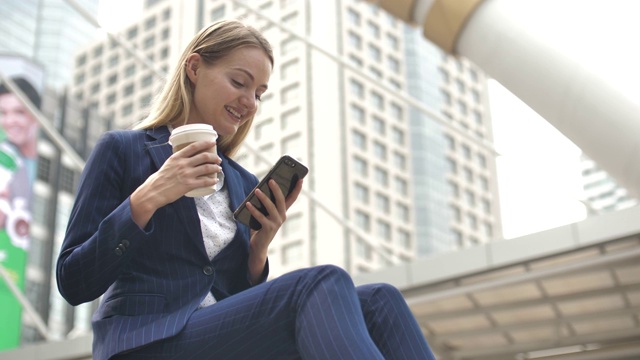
column 184, row 135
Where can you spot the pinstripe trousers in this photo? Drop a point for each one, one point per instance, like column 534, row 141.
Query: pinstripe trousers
column 313, row 313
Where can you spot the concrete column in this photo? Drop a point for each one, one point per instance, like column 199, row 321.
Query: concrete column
column 497, row 35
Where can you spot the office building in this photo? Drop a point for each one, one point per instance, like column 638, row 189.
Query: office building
column 601, row 193
column 454, row 170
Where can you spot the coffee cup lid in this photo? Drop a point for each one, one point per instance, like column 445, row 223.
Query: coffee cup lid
column 193, row 127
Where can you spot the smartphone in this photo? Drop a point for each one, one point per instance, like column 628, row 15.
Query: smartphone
column 286, row 172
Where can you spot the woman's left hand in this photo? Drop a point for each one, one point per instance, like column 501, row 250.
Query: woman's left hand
column 260, row 240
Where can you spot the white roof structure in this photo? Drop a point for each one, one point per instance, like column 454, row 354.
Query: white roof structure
column 571, row 292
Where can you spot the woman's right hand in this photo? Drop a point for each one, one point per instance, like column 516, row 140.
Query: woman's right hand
column 192, row 167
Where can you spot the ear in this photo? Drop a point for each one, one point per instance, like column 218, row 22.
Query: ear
column 192, row 65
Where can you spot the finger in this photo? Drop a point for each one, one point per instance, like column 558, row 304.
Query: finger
column 293, row 196
column 279, row 196
column 260, row 217
column 272, row 210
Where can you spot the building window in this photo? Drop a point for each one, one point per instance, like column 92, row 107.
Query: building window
column 454, row 189
column 401, row 186
column 453, row 166
column 377, row 101
column 472, row 221
column 111, row 98
column 363, row 250
column 359, row 140
column 482, row 161
column 378, row 126
column 113, row 60
column 462, row 107
column 360, row 166
column 289, row 94
column 355, row 41
column 392, row 42
column 128, row 90
column 396, row 112
column 289, row 118
column 394, row 64
column 130, row 70
column 363, row 221
column 361, row 193
column 97, row 68
column 355, row 61
column 381, row 177
column 81, row 60
column 97, row 51
column 456, row 215
column 383, row 204
column 357, row 113
column 289, row 70
column 451, row 142
column 404, row 239
column 146, row 81
column 165, row 33
column 484, row 183
column 127, row 109
column 486, row 206
column 145, row 100
column 468, row 175
column 288, row 46
column 150, row 23
column 357, row 89
column 166, row 15
column 292, row 226
column 292, row 253
column 79, row 78
column 402, row 212
column 380, row 151
column 374, row 53
column 383, row 230
column 354, row 17
column 292, row 145
column 149, row 42
column 471, row 198
column 95, row 88
column 374, row 30
column 375, row 73
column 44, row 169
column 132, row 33
column 400, row 161
column 397, row 136
column 461, row 87
column 67, row 180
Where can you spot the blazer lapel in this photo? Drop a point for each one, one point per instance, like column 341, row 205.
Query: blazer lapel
column 160, row 150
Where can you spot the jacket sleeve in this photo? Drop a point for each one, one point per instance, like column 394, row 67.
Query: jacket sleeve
column 101, row 236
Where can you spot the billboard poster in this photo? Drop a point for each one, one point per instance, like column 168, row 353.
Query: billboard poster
column 18, row 163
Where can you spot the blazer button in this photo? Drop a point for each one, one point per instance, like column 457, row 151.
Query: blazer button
column 118, row 251
column 207, row 270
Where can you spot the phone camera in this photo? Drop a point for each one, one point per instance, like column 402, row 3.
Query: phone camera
column 290, row 163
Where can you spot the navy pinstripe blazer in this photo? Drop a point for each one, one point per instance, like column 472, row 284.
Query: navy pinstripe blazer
column 154, row 278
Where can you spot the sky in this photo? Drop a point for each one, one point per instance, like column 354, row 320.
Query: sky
column 539, row 187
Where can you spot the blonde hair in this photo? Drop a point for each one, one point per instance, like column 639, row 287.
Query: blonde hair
column 212, row 43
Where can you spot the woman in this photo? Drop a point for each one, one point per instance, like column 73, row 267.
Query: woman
column 180, row 278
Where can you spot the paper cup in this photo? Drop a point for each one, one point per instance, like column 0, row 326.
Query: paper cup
column 184, row 135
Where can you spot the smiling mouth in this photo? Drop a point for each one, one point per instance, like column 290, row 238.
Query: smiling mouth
column 233, row 112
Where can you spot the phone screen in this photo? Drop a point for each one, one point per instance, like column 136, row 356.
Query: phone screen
column 286, row 172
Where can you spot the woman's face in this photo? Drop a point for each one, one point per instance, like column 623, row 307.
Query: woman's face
column 17, row 122
column 226, row 93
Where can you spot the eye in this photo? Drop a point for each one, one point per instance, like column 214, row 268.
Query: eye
column 237, row 83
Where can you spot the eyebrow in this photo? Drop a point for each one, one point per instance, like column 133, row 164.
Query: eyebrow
column 250, row 75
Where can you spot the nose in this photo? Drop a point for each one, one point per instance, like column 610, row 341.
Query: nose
column 249, row 102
